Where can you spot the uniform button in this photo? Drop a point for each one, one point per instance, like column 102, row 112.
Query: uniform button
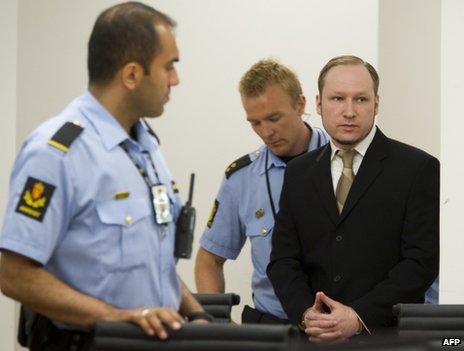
column 339, row 238
column 264, row 232
column 128, row 220
column 337, row 278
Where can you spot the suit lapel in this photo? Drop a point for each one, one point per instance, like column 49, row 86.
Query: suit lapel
column 370, row 169
column 323, row 183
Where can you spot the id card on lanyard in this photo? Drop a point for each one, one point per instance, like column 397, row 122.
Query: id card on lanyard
column 158, row 192
column 161, row 204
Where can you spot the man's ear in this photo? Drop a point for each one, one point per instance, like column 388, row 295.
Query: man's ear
column 376, row 100
column 131, row 75
column 301, row 104
column 318, row 105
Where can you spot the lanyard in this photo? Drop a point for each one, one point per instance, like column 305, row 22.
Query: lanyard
column 268, row 185
column 271, row 200
column 158, row 192
column 141, row 170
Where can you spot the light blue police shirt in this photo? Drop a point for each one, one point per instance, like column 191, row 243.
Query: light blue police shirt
column 105, row 247
column 244, row 211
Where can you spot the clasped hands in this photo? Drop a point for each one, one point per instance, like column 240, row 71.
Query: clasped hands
column 340, row 324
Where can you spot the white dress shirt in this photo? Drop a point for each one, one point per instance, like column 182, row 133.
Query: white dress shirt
column 336, row 163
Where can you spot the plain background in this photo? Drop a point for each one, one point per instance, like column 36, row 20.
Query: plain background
column 414, row 44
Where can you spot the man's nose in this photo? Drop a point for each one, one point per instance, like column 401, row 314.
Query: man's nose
column 268, row 130
column 349, row 109
column 174, row 78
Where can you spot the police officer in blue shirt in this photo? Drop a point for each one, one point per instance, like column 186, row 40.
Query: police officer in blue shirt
column 89, row 229
column 247, row 201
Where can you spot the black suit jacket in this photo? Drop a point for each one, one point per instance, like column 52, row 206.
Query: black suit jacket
column 381, row 250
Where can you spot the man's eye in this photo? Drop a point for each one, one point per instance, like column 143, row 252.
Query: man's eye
column 337, row 98
column 361, row 99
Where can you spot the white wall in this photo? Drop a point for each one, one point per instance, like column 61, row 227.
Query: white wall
column 452, row 146
column 409, row 68
column 204, row 127
column 8, row 40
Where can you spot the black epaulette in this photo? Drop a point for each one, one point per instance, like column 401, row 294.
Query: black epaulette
column 237, row 164
column 152, row 132
column 65, row 136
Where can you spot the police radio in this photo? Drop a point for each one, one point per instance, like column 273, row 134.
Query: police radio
column 185, row 226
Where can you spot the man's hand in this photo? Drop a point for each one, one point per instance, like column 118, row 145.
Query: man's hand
column 338, row 325
column 151, row 319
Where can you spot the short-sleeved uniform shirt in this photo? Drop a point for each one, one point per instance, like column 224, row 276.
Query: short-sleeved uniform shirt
column 93, row 223
column 242, row 210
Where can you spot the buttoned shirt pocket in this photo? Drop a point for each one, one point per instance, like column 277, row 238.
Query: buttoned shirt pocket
column 259, row 230
column 127, row 227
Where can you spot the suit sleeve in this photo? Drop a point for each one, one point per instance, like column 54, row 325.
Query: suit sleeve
column 285, row 269
column 410, row 278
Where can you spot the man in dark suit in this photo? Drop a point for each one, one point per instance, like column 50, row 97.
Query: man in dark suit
column 338, row 268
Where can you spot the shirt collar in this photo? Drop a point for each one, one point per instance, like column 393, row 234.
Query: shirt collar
column 275, row 161
column 107, row 127
column 144, row 138
column 315, row 141
column 361, row 147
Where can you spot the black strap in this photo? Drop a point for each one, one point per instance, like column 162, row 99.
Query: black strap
column 200, row 315
column 139, row 167
column 145, row 177
column 268, row 185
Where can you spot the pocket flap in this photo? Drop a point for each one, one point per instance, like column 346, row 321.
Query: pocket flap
column 123, row 212
column 260, row 226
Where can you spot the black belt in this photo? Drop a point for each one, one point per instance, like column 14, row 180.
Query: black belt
column 50, row 338
column 253, row 316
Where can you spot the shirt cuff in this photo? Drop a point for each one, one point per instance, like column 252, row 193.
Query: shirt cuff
column 363, row 325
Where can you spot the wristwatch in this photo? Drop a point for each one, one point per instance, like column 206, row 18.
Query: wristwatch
column 199, row 315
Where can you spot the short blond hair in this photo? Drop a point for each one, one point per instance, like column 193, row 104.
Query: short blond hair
column 266, row 72
column 347, row 60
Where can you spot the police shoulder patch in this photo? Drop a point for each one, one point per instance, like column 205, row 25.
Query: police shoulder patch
column 35, row 198
column 65, row 136
column 209, row 224
column 237, row 164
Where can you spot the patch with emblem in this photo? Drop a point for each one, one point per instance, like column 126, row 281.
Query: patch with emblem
column 259, row 213
column 35, row 199
column 175, row 189
column 213, row 214
column 237, row 164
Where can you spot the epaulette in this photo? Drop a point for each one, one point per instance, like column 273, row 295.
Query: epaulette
column 65, row 136
column 152, row 132
column 237, row 164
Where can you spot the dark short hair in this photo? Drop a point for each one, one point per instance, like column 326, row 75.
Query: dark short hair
column 347, row 60
column 124, row 33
